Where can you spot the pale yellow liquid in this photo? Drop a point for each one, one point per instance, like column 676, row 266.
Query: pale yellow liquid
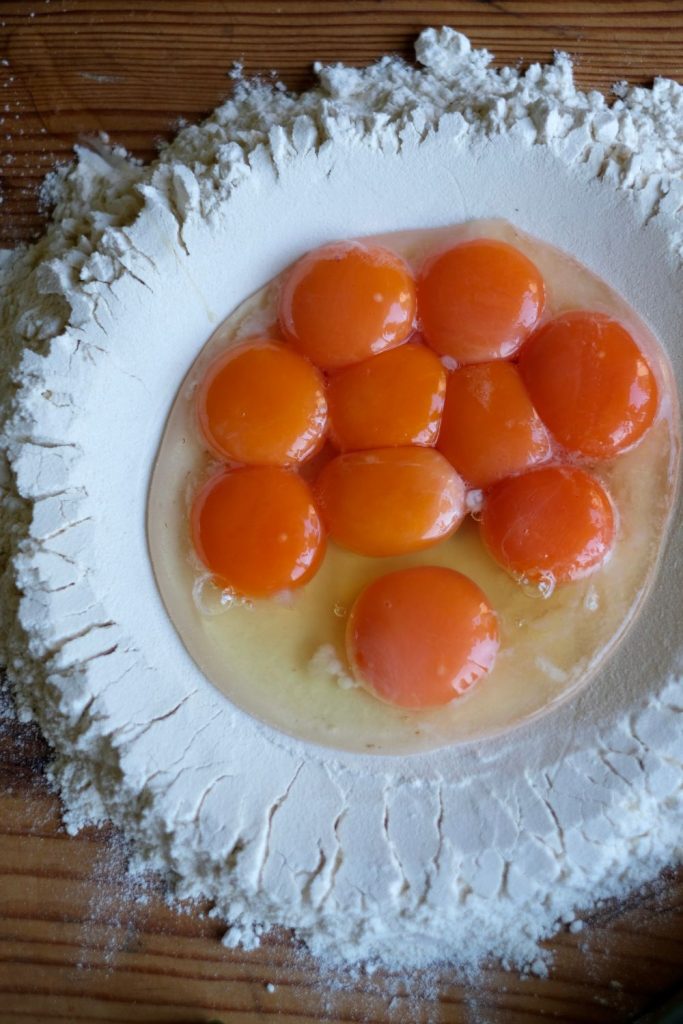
column 260, row 655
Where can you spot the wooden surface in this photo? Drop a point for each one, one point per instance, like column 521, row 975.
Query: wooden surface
column 132, row 69
column 77, row 941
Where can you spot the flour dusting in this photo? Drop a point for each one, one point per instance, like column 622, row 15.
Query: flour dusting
column 465, row 853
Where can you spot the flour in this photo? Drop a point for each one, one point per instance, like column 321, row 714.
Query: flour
column 466, row 852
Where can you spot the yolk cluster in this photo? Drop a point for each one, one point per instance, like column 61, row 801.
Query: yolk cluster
column 410, row 391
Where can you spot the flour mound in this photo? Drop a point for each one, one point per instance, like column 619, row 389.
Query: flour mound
column 464, row 853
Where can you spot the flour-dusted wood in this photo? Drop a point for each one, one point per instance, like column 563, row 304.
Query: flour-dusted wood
column 79, row 67
column 171, row 969
column 79, row 943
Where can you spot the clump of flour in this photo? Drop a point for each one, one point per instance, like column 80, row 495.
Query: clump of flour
column 465, row 853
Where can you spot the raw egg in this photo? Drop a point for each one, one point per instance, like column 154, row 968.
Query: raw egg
column 553, row 524
column 390, row 501
column 257, row 530
column 263, row 404
column 283, row 657
column 346, row 302
column 590, row 382
column 479, row 300
column 421, row 637
column 490, row 429
column 391, row 400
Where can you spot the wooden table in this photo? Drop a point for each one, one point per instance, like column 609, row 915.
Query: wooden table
column 78, row 942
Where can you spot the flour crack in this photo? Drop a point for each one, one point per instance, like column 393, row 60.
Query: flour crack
column 272, row 811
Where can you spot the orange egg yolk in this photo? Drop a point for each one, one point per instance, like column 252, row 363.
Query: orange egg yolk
column 390, row 400
column 479, row 300
column 346, row 302
column 554, row 524
column 421, row 637
column 257, row 530
column 490, row 429
column 263, row 404
column 590, row 383
column 390, row 501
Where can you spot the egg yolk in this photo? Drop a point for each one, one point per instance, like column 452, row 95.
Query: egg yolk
column 490, row 429
column 390, row 501
column 390, row 400
column 421, row 637
column 263, row 404
column 553, row 524
column 257, row 530
column 479, row 300
column 346, row 302
column 590, row 383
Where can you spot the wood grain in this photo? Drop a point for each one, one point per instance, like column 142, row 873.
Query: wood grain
column 79, row 942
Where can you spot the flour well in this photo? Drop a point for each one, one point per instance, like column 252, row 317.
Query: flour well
column 464, row 852
column 548, row 646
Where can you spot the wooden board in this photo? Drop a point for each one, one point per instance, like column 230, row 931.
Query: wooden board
column 77, row 941
column 133, row 69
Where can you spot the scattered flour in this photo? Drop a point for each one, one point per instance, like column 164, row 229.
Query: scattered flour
column 466, row 852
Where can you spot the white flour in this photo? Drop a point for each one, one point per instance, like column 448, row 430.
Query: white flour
column 462, row 853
